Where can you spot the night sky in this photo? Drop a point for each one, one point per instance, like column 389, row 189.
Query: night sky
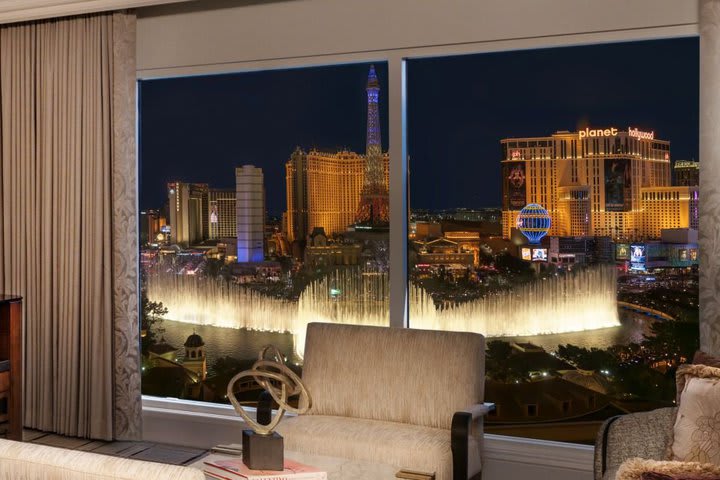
column 198, row 129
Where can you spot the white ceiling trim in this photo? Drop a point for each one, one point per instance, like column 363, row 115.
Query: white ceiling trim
column 23, row 10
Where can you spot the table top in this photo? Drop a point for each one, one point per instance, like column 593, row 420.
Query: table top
column 336, row 468
column 9, row 298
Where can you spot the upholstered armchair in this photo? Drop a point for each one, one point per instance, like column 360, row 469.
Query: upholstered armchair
column 644, row 435
column 402, row 397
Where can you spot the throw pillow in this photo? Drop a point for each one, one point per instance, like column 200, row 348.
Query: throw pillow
column 697, row 425
column 702, row 358
column 643, row 469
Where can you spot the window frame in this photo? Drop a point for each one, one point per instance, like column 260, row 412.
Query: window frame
column 545, row 453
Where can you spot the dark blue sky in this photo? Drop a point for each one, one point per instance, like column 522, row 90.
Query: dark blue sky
column 200, row 128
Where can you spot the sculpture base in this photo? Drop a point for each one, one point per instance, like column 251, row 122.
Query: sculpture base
column 262, row 452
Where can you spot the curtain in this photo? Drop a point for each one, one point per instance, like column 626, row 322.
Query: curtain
column 710, row 176
column 68, row 240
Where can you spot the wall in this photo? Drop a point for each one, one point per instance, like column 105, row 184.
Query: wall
column 216, row 36
column 222, row 31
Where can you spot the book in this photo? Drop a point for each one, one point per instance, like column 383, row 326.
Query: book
column 414, row 475
column 235, row 469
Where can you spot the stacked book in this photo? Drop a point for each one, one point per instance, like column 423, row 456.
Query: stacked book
column 235, row 469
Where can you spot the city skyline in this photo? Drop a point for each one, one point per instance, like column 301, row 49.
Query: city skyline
column 475, row 100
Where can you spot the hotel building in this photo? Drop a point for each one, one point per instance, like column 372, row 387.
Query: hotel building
column 323, row 190
column 222, row 216
column 669, row 208
column 250, row 210
column 333, row 191
column 687, row 173
column 188, row 208
column 591, row 182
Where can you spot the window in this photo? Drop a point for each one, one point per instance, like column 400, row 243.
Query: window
column 584, row 300
column 264, row 205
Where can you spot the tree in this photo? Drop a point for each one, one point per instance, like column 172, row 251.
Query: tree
column 496, row 361
column 151, row 317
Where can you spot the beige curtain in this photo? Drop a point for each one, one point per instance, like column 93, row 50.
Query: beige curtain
column 66, row 134
column 710, row 175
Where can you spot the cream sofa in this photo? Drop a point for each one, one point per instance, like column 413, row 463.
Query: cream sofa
column 403, row 397
column 28, row 461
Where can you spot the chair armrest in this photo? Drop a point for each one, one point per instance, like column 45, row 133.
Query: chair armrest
column 466, row 441
column 645, row 435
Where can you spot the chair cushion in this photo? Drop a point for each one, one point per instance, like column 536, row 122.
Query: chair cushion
column 393, row 374
column 401, row 445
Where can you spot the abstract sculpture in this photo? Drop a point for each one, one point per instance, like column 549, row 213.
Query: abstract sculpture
column 262, row 446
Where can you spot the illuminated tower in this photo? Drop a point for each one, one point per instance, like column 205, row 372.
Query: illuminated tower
column 250, row 207
column 373, row 210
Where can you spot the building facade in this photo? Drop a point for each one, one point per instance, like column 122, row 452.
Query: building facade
column 687, row 173
column 324, row 190
column 250, row 212
column 188, row 208
column 668, row 207
column 222, row 214
column 589, row 181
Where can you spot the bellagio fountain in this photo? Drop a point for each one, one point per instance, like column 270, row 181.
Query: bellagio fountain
column 577, row 301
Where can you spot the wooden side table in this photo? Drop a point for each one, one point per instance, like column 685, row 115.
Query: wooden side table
column 11, row 351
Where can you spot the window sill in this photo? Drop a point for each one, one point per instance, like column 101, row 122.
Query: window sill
column 202, row 425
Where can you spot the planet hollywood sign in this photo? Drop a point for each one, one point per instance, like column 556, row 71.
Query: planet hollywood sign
column 612, row 132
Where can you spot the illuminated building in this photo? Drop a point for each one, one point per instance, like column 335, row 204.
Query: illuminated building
column 321, row 252
column 151, row 227
column 222, row 215
column 687, row 173
column 589, row 181
column 442, row 251
column 195, row 360
column 250, row 208
column 580, row 250
column 468, row 242
column 336, row 190
column 668, row 207
column 188, row 206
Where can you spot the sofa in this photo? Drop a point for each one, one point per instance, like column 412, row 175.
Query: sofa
column 404, row 397
column 29, row 461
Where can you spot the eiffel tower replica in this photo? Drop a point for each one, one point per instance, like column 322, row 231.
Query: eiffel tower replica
column 373, row 213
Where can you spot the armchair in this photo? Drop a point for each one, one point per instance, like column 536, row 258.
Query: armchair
column 644, row 435
column 404, row 397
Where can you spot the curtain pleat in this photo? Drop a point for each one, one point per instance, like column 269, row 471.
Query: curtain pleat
column 57, row 244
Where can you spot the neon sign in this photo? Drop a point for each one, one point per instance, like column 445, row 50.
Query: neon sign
column 599, row 132
column 516, row 154
column 612, row 132
column 634, row 132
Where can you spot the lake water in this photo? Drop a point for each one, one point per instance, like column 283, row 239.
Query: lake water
column 245, row 344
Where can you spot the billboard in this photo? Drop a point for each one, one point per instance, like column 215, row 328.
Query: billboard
column 683, row 255
column 617, row 185
column 539, row 254
column 526, row 254
column 622, row 251
column 637, row 257
column 514, row 185
column 693, row 254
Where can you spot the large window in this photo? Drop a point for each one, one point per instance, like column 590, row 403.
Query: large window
column 554, row 208
column 264, row 206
